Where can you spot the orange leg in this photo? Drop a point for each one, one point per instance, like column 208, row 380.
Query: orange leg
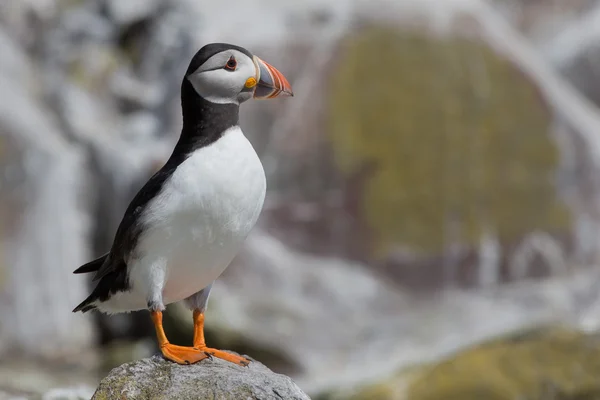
column 178, row 354
column 200, row 344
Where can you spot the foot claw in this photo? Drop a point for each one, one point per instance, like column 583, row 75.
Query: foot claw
column 223, row 355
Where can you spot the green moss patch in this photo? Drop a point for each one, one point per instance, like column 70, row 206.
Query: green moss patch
column 548, row 363
column 555, row 365
column 455, row 137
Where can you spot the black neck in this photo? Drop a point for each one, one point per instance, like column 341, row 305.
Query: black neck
column 203, row 122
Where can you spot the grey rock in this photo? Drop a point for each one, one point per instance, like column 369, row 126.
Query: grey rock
column 157, row 378
column 127, row 87
column 128, row 12
column 11, row 396
column 575, row 51
column 29, row 378
column 140, row 127
column 42, row 179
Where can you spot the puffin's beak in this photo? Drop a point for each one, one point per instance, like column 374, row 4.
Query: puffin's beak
column 271, row 83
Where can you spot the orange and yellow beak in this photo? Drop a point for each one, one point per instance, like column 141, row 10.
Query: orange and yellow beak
column 270, row 82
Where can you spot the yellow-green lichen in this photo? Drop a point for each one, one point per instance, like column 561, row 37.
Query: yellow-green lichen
column 94, row 79
column 550, row 363
column 457, row 140
column 556, row 365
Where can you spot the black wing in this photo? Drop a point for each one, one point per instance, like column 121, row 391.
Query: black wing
column 131, row 227
column 111, row 268
column 92, row 266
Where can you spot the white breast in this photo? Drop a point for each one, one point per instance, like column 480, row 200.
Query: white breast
column 196, row 225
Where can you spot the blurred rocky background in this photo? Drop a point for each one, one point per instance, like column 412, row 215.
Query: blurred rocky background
column 432, row 225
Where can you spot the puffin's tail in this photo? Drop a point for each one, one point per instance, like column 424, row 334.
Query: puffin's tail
column 112, row 278
column 86, row 305
column 92, row 266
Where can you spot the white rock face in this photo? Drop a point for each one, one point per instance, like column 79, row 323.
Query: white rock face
column 49, row 232
column 127, row 12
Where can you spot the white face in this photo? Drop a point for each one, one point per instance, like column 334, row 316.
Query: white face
column 222, row 78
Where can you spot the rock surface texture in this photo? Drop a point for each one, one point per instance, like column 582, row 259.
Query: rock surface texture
column 157, row 378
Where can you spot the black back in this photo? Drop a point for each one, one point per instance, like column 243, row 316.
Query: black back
column 203, row 123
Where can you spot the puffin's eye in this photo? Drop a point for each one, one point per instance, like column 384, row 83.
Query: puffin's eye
column 231, row 64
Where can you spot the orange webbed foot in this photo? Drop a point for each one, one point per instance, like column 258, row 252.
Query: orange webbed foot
column 182, row 355
column 223, row 355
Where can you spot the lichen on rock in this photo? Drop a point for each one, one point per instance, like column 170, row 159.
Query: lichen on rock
column 157, row 378
column 455, row 135
column 547, row 364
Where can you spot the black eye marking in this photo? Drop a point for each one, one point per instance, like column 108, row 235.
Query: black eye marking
column 231, row 64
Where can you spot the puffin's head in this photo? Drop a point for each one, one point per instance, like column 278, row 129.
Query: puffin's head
column 228, row 74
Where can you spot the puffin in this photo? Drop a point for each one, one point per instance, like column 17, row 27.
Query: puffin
column 187, row 223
